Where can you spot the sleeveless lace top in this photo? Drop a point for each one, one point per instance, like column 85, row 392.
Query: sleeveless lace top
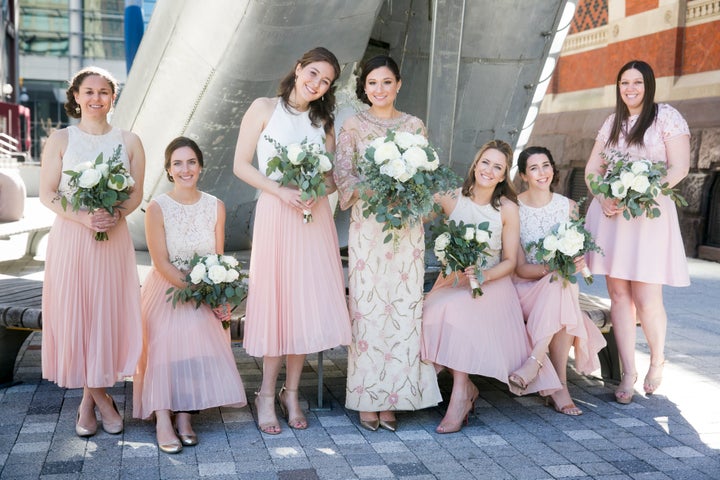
column 286, row 126
column 536, row 223
column 84, row 147
column 470, row 212
column 189, row 229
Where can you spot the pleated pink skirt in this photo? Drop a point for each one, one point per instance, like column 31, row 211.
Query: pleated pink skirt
column 91, row 307
column 548, row 307
column 187, row 361
column 642, row 249
column 483, row 336
column 296, row 298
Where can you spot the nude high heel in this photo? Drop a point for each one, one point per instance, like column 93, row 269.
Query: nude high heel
column 113, row 428
column 650, row 384
column 517, row 381
column 298, row 422
column 625, row 396
column 272, row 427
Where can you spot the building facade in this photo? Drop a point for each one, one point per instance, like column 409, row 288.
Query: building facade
column 681, row 40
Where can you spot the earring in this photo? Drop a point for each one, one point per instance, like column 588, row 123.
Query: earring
column 322, row 99
column 398, row 91
column 77, row 109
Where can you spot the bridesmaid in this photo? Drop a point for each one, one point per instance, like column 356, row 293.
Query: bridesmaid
column 551, row 308
column 91, row 293
column 385, row 372
column 187, row 363
column 296, row 300
column 484, row 335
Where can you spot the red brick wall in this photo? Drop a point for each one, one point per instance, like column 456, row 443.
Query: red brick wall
column 701, row 48
column 633, row 7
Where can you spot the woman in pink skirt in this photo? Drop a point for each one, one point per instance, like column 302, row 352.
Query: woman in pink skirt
column 483, row 335
column 550, row 305
column 296, row 299
column 91, row 293
column 187, row 363
column 641, row 254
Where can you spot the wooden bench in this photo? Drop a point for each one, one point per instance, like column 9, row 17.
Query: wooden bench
column 36, row 222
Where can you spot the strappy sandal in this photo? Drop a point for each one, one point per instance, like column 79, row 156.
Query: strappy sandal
column 298, row 422
column 519, row 382
column 272, row 427
column 650, row 384
column 570, row 409
column 625, row 396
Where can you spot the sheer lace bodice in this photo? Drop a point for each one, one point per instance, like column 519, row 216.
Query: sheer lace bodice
column 189, row 229
column 470, row 212
column 536, row 223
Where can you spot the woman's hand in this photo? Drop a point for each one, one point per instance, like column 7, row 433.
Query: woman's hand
column 470, row 272
column 99, row 220
column 291, row 196
column 222, row 312
column 609, row 206
column 579, row 262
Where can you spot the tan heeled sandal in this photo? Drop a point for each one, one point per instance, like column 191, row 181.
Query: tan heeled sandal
column 272, row 427
column 519, row 382
column 298, row 422
column 650, row 384
column 625, row 396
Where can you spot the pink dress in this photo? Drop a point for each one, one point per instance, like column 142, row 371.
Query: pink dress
column 484, row 335
column 296, row 299
column 549, row 306
column 187, row 361
column 642, row 249
column 385, row 371
column 91, row 292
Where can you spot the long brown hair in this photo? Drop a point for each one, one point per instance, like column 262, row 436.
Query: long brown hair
column 647, row 114
column 504, row 188
column 71, row 106
column 321, row 110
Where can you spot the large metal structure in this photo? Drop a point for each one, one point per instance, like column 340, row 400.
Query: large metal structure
column 470, row 70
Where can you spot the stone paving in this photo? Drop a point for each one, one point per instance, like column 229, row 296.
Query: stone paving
column 674, row 434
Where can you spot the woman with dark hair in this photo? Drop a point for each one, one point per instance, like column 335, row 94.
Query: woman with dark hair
column 641, row 254
column 91, row 293
column 385, row 372
column 296, row 299
column 483, row 335
column 550, row 306
column 187, row 363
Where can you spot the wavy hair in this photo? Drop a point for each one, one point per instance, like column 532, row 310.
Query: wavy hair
column 504, row 188
column 71, row 106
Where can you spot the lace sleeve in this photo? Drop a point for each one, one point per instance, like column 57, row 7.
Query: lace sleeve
column 344, row 173
column 670, row 122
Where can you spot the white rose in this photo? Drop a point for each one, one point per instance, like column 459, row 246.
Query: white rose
column 393, row 168
column 377, row 143
column 231, row 275
column 216, row 274
column 442, row 241
column 408, row 172
column 404, row 140
column 325, row 164
column 469, row 233
column 198, row 273
column 89, row 178
column 211, row 260
column 482, row 236
column 386, row 152
column 434, row 163
column 618, row 189
column 440, row 255
column 550, row 243
column 571, row 243
column 130, row 181
column 416, row 157
column 640, row 166
column 295, row 153
column 118, row 182
column 641, row 184
column 84, row 166
column 420, row 140
column 229, row 260
column 103, row 168
column 627, row 179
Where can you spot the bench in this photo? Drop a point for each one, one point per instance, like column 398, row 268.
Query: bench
column 36, row 222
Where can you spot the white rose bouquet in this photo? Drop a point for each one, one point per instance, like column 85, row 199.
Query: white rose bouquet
column 99, row 184
column 460, row 245
column 400, row 175
column 214, row 280
column 559, row 249
column 635, row 183
column 303, row 165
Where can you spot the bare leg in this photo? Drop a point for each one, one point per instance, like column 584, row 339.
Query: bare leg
column 559, row 350
column 111, row 419
column 524, row 376
column 86, row 419
column 462, row 400
column 622, row 311
column 288, row 396
column 648, row 299
column 265, row 399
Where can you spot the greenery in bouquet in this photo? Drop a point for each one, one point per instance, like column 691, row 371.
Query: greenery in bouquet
column 302, row 165
column 99, row 184
column 400, row 175
column 558, row 250
column 460, row 245
column 214, row 280
column 634, row 183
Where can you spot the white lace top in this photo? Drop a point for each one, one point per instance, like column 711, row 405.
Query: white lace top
column 470, row 212
column 536, row 223
column 189, row 229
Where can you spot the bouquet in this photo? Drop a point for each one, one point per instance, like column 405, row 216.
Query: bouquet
column 303, row 165
column 400, row 176
column 634, row 183
column 559, row 248
column 214, row 280
column 460, row 245
column 99, row 184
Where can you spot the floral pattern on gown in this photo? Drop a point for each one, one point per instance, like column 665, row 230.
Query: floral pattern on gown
column 385, row 371
column 642, row 249
column 551, row 305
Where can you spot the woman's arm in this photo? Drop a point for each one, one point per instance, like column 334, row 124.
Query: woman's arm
column 136, row 156
column 678, row 159
column 596, row 165
column 157, row 246
column 344, row 171
column 330, row 186
column 510, row 241
column 220, row 228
